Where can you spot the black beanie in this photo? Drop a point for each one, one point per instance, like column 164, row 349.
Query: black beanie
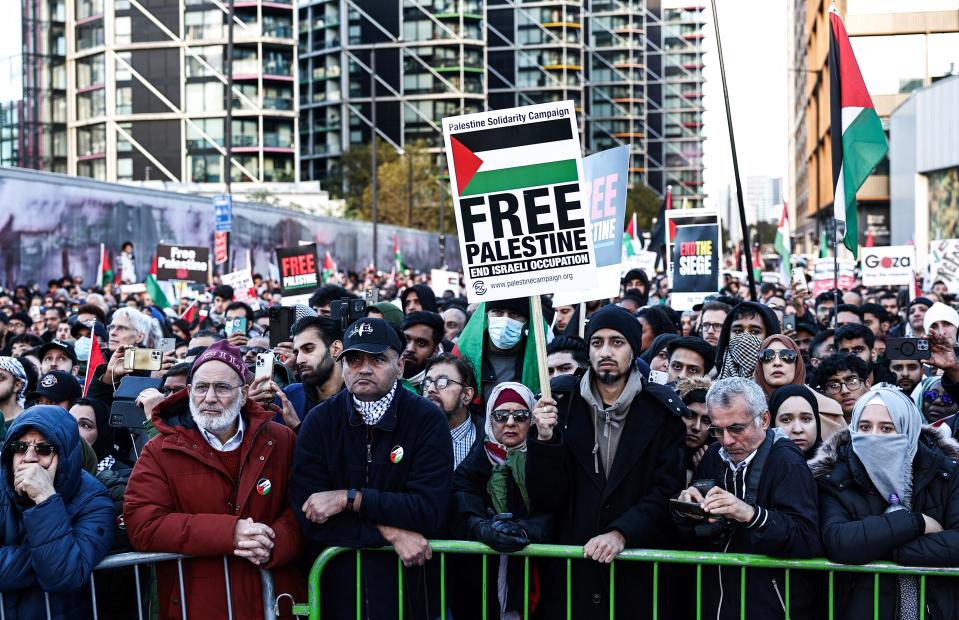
column 519, row 305
column 620, row 320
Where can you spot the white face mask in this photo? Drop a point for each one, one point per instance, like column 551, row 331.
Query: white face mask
column 82, row 347
column 505, row 332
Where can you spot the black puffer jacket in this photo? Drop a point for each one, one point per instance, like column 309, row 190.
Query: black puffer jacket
column 856, row 530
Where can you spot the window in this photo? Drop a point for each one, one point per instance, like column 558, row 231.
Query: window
column 211, row 55
column 125, row 169
column 91, row 140
column 91, row 104
column 89, row 8
column 90, row 35
column 124, row 145
column 121, row 30
column 122, row 73
column 93, row 169
column 212, row 127
column 124, row 100
column 204, row 97
column 204, row 24
column 246, row 133
column 205, row 168
column 251, row 163
column 90, row 71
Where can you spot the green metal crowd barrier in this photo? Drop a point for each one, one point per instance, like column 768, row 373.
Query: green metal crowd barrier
column 656, row 557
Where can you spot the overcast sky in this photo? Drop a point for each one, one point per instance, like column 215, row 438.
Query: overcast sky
column 754, row 51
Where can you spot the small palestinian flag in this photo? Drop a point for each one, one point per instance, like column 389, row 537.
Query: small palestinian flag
column 631, row 238
column 329, row 267
column 154, row 290
column 190, row 314
column 484, row 159
column 783, row 244
column 858, row 142
column 104, row 271
column 398, row 264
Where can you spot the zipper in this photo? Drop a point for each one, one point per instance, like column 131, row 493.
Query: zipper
column 778, row 595
column 369, row 452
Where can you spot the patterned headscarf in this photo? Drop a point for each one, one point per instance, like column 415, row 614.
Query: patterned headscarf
column 741, row 356
column 15, row 368
column 373, row 411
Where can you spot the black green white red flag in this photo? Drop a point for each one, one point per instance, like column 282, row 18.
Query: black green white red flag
column 858, row 141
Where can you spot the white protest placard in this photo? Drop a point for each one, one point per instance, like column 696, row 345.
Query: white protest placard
column 243, row 289
column 644, row 259
column 824, row 276
column 892, row 265
column 516, row 177
column 944, row 263
column 442, row 280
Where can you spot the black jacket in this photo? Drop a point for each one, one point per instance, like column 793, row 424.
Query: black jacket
column 561, row 479
column 856, row 529
column 470, row 504
column 785, row 526
column 411, row 493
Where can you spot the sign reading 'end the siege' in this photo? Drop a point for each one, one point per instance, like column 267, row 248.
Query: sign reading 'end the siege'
column 517, row 179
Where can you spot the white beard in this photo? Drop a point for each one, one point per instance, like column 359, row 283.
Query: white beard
column 216, row 423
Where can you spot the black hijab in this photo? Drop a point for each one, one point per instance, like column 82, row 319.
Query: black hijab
column 778, row 397
column 658, row 344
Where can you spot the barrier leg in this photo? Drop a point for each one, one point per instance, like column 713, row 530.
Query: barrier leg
column 93, row 595
column 229, row 593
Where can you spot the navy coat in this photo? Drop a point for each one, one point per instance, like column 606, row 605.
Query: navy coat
column 55, row 545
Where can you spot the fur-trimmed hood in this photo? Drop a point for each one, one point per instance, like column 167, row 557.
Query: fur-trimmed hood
column 936, row 439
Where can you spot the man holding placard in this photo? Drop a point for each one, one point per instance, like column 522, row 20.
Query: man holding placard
column 607, row 475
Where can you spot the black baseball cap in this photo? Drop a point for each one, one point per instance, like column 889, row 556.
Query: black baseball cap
column 370, row 335
column 57, row 386
column 66, row 347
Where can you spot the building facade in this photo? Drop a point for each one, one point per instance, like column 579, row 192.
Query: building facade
column 900, row 47
column 633, row 68
column 137, row 90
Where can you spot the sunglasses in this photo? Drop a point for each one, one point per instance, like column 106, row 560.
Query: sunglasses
column 43, row 449
column 788, row 356
column 932, row 396
column 502, row 416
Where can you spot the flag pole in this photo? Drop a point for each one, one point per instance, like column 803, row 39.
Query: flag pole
column 732, row 144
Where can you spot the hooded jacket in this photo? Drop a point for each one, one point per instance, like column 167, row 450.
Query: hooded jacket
column 856, row 529
column 55, row 545
column 425, row 294
column 182, row 499
column 563, row 479
column 764, row 312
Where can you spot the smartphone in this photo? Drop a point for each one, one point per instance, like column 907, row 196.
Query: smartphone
column 281, row 321
column 789, row 322
column 142, row 359
column 126, row 414
column 907, row 349
column 236, row 325
column 691, row 509
column 372, row 296
column 799, row 280
column 168, row 345
column 658, row 376
column 264, row 365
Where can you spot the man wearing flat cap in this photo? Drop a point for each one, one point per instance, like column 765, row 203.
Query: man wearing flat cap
column 607, row 475
column 373, row 466
column 213, row 484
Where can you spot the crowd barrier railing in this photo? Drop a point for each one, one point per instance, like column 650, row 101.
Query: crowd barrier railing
column 137, row 560
column 656, row 557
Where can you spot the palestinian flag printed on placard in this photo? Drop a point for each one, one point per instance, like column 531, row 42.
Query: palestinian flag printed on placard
column 484, row 159
column 858, row 142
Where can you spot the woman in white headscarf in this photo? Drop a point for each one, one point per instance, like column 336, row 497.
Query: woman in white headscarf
column 888, row 490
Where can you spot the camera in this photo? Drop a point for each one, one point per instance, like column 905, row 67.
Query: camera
column 907, row 349
column 347, row 311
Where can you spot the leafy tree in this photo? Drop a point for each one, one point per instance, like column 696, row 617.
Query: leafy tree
column 643, row 201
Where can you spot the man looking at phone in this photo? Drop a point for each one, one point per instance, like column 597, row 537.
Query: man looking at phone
column 759, row 497
column 606, row 476
column 373, row 466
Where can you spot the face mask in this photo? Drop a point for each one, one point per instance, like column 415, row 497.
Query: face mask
column 82, row 347
column 505, row 332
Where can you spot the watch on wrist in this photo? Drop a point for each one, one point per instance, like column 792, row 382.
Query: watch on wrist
column 350, row 497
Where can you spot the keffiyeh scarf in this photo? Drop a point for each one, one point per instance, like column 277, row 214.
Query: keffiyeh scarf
column 374, row 410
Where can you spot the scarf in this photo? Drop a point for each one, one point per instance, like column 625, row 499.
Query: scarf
column 15, row 368
column 921, row 388
column 374, row 410
column 786, row 392
column 740, row 357
column 888, row 461
column 799, row 378
column 505, row 460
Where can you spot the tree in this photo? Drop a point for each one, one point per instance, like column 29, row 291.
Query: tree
column 643, row 201
column 355, row 174
column 408, row 191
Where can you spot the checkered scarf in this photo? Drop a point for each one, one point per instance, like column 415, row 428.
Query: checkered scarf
column 373, row 411
column 15, row 368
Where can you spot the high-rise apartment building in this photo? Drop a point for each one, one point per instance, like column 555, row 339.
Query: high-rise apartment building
column 632, row 67
column 128, row 91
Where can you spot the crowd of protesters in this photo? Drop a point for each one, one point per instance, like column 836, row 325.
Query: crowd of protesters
column 782, row 426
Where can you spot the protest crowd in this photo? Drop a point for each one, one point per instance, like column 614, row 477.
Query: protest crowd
column 786, row 426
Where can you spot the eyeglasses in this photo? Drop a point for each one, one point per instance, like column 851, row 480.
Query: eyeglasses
column 788, row 356
column 712, row 327
column 932, row 396
column 43, row 449
column 834, row 387
column 734, row 430
column 222, row 390
column 441, row 383
column 502, row 416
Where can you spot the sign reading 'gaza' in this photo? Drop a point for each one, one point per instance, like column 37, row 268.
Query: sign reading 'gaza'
column 517, row 177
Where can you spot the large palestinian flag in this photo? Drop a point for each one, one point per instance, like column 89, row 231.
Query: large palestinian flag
column 484, row 160
column 858, row 142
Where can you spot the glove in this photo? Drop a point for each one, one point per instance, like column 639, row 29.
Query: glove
column 500, row 533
